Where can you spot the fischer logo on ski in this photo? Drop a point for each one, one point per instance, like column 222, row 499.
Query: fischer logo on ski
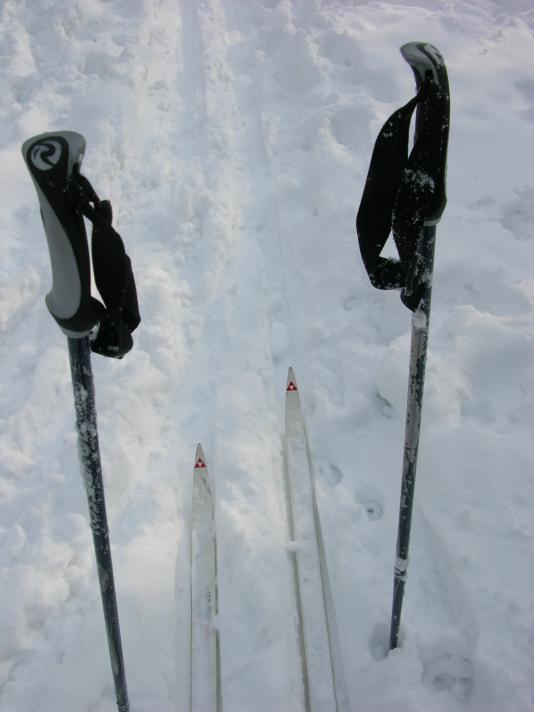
column 199, row 463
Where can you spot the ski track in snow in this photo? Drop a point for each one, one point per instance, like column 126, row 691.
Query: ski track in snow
column 233, row 139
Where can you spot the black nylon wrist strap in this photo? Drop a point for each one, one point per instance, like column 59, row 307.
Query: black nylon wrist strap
column 396, row 198
column 112, row 270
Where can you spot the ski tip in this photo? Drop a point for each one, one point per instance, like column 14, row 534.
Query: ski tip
column 200, row 460
column 291, row 381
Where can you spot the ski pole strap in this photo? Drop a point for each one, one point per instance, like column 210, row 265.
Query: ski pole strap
column 112, row 271
column 405, row 190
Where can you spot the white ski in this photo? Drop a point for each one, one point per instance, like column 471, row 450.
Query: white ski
column 324, row 683
column 205, row 660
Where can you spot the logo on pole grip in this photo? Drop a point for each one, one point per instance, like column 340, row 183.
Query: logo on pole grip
column 46, row 155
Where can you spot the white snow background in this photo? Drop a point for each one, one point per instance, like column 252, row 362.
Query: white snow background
column 233, row 139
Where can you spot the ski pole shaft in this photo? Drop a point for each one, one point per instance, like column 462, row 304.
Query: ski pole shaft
column 91, row 469
column 416, row 382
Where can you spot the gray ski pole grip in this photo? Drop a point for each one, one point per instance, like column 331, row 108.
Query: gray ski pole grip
column 51, row 159
column 432, row 118
column 423, row 58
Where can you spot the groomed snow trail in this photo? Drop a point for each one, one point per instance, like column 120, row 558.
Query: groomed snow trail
column 233, row 139
column 237, row 409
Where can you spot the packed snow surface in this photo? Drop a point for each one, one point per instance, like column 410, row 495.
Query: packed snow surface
column 233, row 139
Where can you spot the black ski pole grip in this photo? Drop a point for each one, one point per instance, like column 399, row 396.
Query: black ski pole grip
column 51, row 159
column 432, row 119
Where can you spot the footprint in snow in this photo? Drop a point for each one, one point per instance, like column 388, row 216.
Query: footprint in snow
column 373, row 509
column 371, row 500
column 333, row 475
column 450, row 672
column 518, row 216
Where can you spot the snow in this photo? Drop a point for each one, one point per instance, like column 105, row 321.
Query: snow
column 233, row 139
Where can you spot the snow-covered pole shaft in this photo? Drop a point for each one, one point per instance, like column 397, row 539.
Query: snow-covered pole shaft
column 51, row 159
column 433, row 119
column 91, row 469
column 416, row 384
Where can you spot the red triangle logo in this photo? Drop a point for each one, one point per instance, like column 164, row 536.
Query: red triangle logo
column 199, row 463
column 291, row 386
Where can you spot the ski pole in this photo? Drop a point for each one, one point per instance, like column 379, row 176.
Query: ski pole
column 54, row 160
column 405, row 193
